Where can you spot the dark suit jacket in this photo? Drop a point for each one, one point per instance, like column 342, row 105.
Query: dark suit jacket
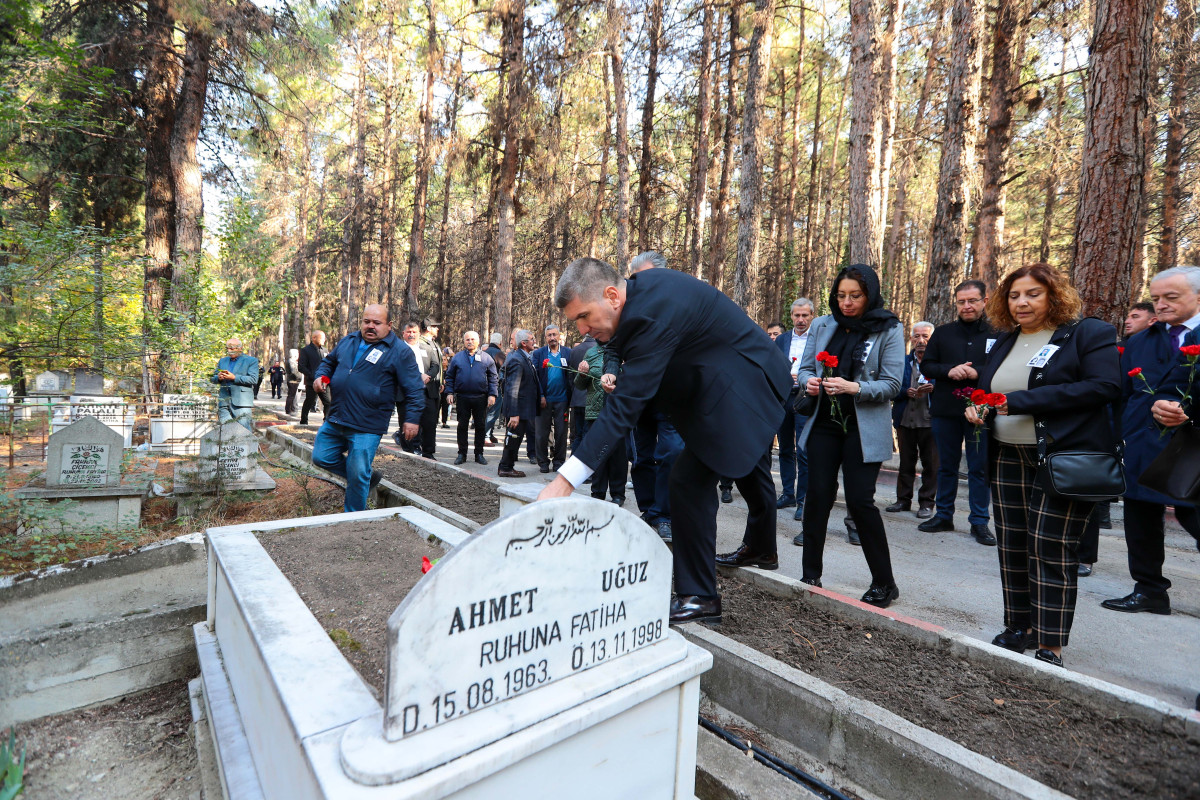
column 311, row 357
column 1069, row 397
column 900, row 403
column 690, row 350
column 522, row 392
column 1163, row 367
column 950, row 345
column 784, row 343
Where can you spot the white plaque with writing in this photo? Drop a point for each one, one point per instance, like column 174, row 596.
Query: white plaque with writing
column 84, row 465
column 233, row 461
column 537, row 597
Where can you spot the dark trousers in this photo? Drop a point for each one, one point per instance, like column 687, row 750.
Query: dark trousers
column 611, row 475
column 552, row 418
column 429, row 420
column 471, row 408
column 276, row 391
column 1145, row 538
column 793, row 460
column 310, row 402
column 827, row 451
column 579, row 426
column 289, row 405
column 1037, row 538
column 512, row 443
column 693, row 489
column 656, row 446
column 445, row 408
column 950, row 434
column 916, row 442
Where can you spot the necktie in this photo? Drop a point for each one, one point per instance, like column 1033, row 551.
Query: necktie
column 1177, row 332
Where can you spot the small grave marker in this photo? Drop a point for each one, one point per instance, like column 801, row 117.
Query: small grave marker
column 85, row 453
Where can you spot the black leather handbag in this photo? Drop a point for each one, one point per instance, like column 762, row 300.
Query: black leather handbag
column 805, row 404
column 1081, row 475
column 1176, row 471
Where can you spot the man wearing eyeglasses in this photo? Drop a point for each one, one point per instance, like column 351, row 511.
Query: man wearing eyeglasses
column 956, row 352
column 236, row 374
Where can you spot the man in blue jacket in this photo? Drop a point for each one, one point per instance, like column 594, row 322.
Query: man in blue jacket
column 368, row 374
column 237, row 375
column 471, row 379
column 550, row 362
column 1176, row 296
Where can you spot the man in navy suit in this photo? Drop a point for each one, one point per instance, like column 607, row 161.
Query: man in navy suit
column 522, row 397
column 688, row 349
column 1176, row 296
column 793, row 461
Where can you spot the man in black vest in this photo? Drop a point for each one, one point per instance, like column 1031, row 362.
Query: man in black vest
column 688, row 350
column 311, row 356
column 956, row 353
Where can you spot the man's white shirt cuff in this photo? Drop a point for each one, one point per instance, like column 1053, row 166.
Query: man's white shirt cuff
column 575, row 471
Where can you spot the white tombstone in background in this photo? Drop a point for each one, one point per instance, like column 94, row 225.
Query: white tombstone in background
column 47, row 383
column 183, row 420
column 228, row 461
column 112, row 411
column 87, row 453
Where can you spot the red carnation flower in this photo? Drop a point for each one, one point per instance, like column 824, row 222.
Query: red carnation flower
column 1120, row 350
column 996, row 399
column 1190, row 350
column 426, row 564
column 1133, row 373
column 979, row 397
column 546, row 363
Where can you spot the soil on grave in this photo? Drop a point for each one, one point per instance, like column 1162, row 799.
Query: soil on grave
column 472, row 497
column 366, row 568
column 137, row 748
column 296, row 494
column 1073, row 747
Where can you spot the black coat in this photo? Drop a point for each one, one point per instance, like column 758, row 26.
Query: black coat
column 311, row 357
column 1069, row 397
column 950, row 345
column 689, row 350
column 522, row 392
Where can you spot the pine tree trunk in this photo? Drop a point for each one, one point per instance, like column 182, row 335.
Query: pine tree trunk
column 447, row 172
column 606, row 145
column 513, row 20
column 789, row 214
column 387, row 182
column 694, row 233
column 1050, row 186
column 717, row 242
column 1006, row 77
column 1112, row 184
column 829, row 246
column 1172, row 190
column 616, row 52
column 750, row 184
column 424, row 164
column 352, row 231
column 887, row 122
column 866, row 131
column 947, row 251
column 645, row 170
column 810, row 222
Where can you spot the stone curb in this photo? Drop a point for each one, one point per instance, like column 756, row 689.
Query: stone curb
column 1115, row 700
column 882, row 752
column 390, row 493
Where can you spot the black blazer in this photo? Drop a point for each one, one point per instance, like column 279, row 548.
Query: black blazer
column 690, row 351
column 311, row 357
column 1069, row 397
column 521, row 388
column 950, row 345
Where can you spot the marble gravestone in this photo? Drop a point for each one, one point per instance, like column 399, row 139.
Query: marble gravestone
column 539, row 612
column 83, row 465
column 85, row 453
column 112, row 411
column 89, row 381
column 184, row 419
column 228, row 460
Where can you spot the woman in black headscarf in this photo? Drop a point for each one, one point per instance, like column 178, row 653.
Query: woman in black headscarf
column 861, row 349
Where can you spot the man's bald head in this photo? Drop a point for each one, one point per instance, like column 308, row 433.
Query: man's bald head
column 375, row 324
column 317, row 338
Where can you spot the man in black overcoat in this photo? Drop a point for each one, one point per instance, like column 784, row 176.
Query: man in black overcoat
column 311, row 356
column 690, row 351
column 522, row 400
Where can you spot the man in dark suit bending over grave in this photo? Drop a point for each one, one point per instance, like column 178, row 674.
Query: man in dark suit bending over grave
column 688, row 350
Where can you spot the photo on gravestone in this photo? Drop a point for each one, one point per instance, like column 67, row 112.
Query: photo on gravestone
column 539, row 596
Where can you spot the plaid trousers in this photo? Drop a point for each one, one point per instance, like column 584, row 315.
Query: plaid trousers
column 1037, row 537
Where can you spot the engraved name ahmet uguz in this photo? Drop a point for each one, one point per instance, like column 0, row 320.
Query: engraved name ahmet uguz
column 549, row 534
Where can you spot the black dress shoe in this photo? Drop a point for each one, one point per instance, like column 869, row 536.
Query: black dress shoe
column 785, row 502
column 925, row 513
column 936, row 525
column 799, row 515
column 798, row 539
column 1048, row 656
column 1015, row 639
column 664, row 531
column 1136, row 601
column 895, row 508
column 742, row 557
column 1085, row 570
column 544, row 469
column 726, row 496
column 509, row 473
column 983, row 535
column 479, row 459
column 812, row 581
column 461, row 458
column 694, row 609
column 881, row 596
